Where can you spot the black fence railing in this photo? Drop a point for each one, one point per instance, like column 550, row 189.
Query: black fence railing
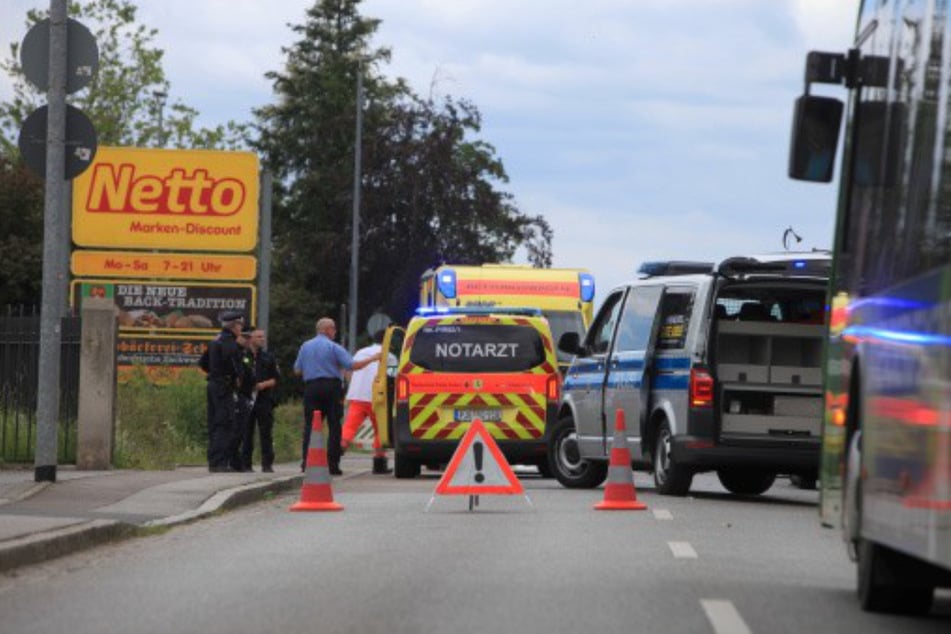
column 19, row 377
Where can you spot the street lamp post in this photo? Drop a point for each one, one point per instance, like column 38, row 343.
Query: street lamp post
column 355, row 225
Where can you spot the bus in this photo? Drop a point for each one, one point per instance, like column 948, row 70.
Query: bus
column 565, row 296
column 886, row 452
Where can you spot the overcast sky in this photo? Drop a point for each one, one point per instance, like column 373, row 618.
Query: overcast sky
column 641, row 129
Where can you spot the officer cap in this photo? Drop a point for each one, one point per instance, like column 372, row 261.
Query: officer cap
column 231, row 316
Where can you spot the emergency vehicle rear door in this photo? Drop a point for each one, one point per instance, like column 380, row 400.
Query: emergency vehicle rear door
column 384, row 382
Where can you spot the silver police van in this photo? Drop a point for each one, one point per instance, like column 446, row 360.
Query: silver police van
column 716, row 367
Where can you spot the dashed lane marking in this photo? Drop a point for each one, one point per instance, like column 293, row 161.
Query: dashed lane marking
column 724, row 617
column 682, row 550
column 662, row 514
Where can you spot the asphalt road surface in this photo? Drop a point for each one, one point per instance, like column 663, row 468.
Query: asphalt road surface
column 710, row 562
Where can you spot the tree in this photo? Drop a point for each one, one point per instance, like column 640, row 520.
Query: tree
column 124, row 97
column 429, row 188
column 21, row 234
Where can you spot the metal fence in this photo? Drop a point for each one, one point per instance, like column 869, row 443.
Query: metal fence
column 19, row 375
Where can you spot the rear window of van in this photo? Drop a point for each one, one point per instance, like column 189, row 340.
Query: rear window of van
column 477, row 348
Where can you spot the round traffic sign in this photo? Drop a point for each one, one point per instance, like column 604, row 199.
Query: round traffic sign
column 80, row 141
column 82, row 55
column 377, row 322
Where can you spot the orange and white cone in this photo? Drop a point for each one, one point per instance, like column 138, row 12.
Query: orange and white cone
column 619, row 493
column 316, row 494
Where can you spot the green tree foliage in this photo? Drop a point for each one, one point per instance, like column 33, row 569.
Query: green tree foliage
column 429, row 185
column 21, row 234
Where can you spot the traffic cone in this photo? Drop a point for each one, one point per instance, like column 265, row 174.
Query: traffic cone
column 315, row 494
column 619, row 493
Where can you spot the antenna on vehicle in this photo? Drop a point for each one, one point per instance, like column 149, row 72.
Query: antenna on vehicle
column 790, row 232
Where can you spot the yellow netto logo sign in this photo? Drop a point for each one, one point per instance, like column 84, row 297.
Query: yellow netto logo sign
column 167, row 199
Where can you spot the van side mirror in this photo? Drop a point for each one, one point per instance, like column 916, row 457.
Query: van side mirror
column 815, row 136
column 570, row 343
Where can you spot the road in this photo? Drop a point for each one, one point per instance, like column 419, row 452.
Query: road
column 706, row 563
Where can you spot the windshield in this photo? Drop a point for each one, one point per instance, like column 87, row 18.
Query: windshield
column 477, row 348
column 560, row 322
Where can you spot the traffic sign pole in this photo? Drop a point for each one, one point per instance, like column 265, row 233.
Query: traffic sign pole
column 53, row 299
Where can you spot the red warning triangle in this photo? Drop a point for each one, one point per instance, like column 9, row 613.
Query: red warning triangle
column 478, row 467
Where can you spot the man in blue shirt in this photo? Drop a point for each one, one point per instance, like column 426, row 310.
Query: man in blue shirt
column 321, row 363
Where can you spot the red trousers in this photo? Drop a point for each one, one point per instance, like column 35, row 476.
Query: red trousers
column 357, row 412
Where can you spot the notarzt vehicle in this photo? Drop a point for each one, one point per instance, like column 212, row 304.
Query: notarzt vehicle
column 456, row 365
column 716, row 368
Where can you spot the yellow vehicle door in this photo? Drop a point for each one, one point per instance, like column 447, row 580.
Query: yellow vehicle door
column 384, row 381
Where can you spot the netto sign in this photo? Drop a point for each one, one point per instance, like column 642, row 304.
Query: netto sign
column 168, row 199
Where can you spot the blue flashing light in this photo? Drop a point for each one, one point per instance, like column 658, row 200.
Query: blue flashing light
column 446, row 282
column 799, row 264
column 423, row 311
column 586, row 280
column 898, row 336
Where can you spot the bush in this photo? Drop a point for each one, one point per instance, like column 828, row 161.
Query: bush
column 162, row 426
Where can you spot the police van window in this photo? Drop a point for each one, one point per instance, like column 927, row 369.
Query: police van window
column 477, row 348
column 637, row 320
column 675, row 310
column 599, row 337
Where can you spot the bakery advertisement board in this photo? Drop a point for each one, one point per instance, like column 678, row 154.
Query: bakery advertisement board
column 168, row 308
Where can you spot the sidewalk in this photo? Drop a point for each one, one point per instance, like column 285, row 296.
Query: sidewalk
column 43, row 520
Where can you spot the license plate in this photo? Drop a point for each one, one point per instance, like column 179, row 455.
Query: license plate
column 485, row 415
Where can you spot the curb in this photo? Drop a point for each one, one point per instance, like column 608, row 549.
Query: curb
column 47, row 545
column 34, row 549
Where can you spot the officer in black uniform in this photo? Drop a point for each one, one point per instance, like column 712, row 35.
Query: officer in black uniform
column 262, row 410
column 223, row 366
column 245, row 401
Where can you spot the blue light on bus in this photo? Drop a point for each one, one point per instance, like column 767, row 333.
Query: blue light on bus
column 447, row 283
column 587, row 286
column 799, row 264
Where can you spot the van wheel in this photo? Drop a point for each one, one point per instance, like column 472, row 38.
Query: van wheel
column 880, row 588
column 405, row 467
column 670, row 478
column 565, row 461
column 746, row 481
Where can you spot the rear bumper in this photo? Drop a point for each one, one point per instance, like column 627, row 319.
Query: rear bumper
column 781, row 456
column 440, row 451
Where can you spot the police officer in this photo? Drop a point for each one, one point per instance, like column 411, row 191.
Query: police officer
column 244, row 401
column 262, row 410
column 223, row 366
column 321, row 362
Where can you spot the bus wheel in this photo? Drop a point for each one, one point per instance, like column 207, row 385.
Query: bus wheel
column 879, row 582
column 404, row 466
column 566, row 463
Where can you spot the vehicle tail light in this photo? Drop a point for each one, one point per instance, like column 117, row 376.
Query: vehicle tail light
column 552, row 388
column 701, row 388
column 402, row 388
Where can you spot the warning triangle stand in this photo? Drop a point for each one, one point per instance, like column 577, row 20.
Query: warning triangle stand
column 478, row 467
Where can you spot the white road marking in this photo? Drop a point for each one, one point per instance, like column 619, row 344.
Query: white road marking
column 682, row 550
column 662, row 514
column 724, row 617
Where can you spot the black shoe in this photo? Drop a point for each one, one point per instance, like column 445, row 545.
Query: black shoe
column 379, row 466
column 225, row 469
column 335, row 471
column 267, row 469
